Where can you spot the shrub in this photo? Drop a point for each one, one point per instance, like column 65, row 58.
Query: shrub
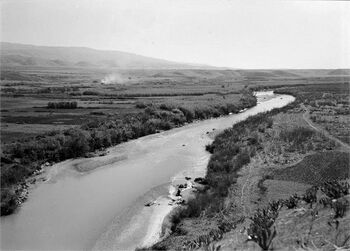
column 340, row 207
column 140, row 105
column 292, row 202
column 275, row 206
column 210, row 148
column 196, row 206
column 325, row 201
column 222, row 186
column 13, row 174
column 261, row 186
column 150, row 111
column 77, row 143
column 91, row 93
column 335, row 189
column 253, row 139
column 193, row 208
column 310, row 195
column 8, row 202
column 166, row 107
column 189, row 114
column 201, row 181
column 242, row 159
column 261, row 230
column 62, row 105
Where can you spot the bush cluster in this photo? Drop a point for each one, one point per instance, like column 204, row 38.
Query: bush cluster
column 335, row 189
column 62, row 105
column 91, row 93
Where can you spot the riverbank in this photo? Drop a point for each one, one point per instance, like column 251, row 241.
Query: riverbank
column 284, row 155
column 201, row 184
column 201, row 217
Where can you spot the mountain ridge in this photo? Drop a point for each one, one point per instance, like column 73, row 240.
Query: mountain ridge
column 14, row 54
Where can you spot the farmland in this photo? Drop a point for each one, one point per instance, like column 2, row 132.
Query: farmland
column 101, row 94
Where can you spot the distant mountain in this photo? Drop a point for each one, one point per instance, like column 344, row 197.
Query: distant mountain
column 31, row 55
column 340, row 72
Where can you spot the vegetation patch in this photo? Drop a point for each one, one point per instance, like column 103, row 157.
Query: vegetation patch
column 62, row 105
column 317, row 168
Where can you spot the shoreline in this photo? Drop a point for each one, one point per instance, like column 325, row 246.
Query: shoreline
column 182, row 188
column 186, row 193
column 166, row 221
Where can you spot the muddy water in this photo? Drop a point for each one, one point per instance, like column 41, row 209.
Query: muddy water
column 104, row 208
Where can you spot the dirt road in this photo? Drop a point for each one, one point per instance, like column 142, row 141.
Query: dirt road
column 252, row 176
column 306, row 117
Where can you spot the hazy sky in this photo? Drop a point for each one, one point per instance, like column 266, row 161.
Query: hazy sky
column 239, row 34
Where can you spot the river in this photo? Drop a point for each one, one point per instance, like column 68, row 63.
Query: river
column 104, row 208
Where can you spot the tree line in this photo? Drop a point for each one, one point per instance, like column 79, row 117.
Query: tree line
column 63, row 105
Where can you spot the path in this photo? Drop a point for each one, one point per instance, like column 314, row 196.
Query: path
column 249, row 182
column 306, row 117
column 244, row 203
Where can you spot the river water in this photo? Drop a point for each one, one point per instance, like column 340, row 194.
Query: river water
column 104, row 208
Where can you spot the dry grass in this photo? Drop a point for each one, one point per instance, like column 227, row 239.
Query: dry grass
column 280, row 189
column 317, row 168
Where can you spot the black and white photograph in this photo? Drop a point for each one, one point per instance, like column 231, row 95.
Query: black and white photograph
column 210, row 125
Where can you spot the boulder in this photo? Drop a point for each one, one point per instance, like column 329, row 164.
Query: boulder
column 149, row 204
column 201, row 181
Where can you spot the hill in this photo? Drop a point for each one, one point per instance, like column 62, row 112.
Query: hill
column 31, row 55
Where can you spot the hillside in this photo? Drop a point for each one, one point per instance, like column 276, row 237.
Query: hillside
column 30, row 55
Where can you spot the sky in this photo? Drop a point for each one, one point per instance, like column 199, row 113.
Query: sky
column 238, row 34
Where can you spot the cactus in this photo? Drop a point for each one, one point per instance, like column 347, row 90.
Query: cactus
column 262, row 230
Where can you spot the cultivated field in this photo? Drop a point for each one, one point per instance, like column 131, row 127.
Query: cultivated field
column 25, row 94
column 102, row 93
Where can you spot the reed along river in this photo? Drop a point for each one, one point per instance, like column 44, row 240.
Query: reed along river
column 102, row 207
